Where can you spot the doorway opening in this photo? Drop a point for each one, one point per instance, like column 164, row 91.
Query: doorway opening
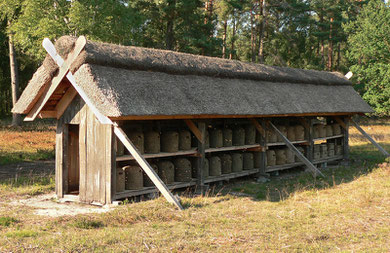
column 73, row 160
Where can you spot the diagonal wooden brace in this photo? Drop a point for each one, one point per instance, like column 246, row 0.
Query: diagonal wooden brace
column 64, row 69
column 146, row 167
column 301, row 157
column 369, row 138
column 259, row 128
column 194, row 129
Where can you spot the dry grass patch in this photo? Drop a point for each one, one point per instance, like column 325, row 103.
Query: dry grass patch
column 349, row 210
column 28, row 143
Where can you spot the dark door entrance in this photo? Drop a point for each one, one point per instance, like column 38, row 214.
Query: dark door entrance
column 73, row 160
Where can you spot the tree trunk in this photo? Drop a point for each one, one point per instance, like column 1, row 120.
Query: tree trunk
column 261, row 31
column 338, row 56
column 169, row 40
column 253, row 36
column 322, row 40
column 224, row 39
column 16, row 118
column 233, row 38
column 330, row 46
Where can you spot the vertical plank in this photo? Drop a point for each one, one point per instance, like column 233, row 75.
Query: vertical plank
column 263, row 155
column 346, row 140
column 90, row 172
column 83, row 152
column 104, row 159
column 309, row 136
column 65, row 160
column 201, row 158
column 110, row 166
column 59, row 158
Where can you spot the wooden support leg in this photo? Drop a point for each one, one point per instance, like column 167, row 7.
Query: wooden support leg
column 201, row 158
column 384, row 152
column 344, row 123
column 146, row 167
column 296, row 151
column 260, row 127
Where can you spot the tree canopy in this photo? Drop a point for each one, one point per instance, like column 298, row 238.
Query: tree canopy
column 333, row 35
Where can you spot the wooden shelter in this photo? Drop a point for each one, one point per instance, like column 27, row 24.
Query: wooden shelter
column 110, row 101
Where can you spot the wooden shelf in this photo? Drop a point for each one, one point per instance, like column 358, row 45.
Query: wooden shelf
column 152, row 189
column 328, row 159
column 283, row 144
column 283, row 166
column 158, row 155
column 328, row 138
column 232, row 148
column 232, row 175
column 177, row 185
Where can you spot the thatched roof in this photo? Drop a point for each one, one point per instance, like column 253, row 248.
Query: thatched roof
column 127, row 81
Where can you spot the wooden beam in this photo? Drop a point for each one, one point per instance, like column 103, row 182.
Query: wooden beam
column 64, row 69
column 146, row 167
column 65, row 101
column 296, row 151
column 53, row 53
column 356, row 125
column 219, row 116
column 341, row 122
column 195, row 130
column 259, row 128
column 47, row 114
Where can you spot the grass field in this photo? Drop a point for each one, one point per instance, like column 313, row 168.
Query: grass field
column 349, row 210
column 33, row 141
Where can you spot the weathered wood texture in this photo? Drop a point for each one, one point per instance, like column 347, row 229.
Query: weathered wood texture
column 59, row 159
column 98, row 160
column 95, row 154
column 201, row 158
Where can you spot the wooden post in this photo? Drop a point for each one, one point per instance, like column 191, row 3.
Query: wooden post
column 263, row 156
column 346, row 140
column 296, row 151
column 369, row 138
column 201, row 158
column 261, row 129
column 146, row 167
column 309, row 136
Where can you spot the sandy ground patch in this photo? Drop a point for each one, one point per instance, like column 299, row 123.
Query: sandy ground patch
column 48, row 205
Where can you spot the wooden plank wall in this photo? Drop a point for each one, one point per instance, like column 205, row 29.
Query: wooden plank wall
column 99, row 160
column 96, row 154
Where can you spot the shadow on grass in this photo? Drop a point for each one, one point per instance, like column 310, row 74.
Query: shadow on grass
column 363, row 159
column 18, row 157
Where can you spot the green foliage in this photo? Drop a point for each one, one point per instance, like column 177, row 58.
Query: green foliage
column 369, row 53
column 85, row 223
column 309, row 34
column 6, row 221
column 21, row 234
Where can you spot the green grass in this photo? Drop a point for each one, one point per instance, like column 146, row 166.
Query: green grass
column 6, row 221
column 26, row 186
column 86, row 223
column 21, row 234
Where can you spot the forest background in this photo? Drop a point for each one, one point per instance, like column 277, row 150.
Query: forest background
column 331, row 35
